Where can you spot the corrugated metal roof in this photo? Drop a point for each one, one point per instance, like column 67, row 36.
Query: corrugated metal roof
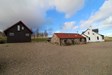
column 69, row 35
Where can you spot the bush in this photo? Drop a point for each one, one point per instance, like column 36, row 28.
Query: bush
column 2, row 40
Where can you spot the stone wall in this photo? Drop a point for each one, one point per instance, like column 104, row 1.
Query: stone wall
column 55, row 39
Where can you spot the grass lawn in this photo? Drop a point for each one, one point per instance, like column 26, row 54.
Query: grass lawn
column 39, row 39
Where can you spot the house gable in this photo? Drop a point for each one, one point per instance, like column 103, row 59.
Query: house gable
column 55, row 39
column 92, row 35
column 19, row 25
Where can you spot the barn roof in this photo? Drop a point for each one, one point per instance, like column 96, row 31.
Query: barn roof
column 20, row 22
column 69, row 35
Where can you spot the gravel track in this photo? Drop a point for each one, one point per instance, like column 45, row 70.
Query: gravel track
column 49, row 59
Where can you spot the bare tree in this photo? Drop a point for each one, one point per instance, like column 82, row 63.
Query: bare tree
column 37, row 32
column 45, row 33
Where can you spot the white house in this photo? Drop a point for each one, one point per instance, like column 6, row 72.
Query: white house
column 92, row 35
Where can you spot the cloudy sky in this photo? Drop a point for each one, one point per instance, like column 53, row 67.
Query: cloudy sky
column 58, row 15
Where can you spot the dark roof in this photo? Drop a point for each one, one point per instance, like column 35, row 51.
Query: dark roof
column 84, row 31
column 69, row 35
column 20, row 22
column 95, row 30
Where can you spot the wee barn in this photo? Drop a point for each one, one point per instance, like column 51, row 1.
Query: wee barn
column 18, row 32
column 68, row 39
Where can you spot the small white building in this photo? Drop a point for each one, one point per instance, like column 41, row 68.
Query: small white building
column 92, row 35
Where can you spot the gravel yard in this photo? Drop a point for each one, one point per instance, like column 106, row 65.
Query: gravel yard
column 49, row 59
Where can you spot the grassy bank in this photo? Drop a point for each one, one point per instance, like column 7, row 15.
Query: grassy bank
column 39, row 39
column 2, row 40
column 108, row 39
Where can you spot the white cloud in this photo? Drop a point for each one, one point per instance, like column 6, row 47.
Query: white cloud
column 102, row 18
column 28, row 11
column 33, row 12
column 106, row 23
column 69, row 7
column 69, row 26
column 109, row 34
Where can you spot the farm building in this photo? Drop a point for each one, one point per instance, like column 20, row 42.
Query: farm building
column 92, row 35
column 18, row 32
column 67, row 39
column 1, row 34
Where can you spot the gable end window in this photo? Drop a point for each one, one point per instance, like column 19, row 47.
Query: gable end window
column 22, row 28
column 88, row 33
column 18, row 28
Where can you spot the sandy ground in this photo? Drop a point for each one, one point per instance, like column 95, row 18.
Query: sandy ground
column 49, row 59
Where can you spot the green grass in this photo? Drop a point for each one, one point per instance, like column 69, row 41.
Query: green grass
column 2, row 38
column 39, row 39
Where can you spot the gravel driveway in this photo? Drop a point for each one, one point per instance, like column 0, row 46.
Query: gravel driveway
column 49, row 59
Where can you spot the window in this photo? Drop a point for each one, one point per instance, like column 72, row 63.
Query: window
column 88, row 33
column 11, row 34
column 93, row 33
column 18, row 27
column 22, row 28
column 27, row 34
column 89, row 38
column 97, row 38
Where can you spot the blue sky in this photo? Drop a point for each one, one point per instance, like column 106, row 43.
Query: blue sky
column 90, row 6
column 69, row 16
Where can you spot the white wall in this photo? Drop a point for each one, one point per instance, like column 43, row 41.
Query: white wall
column 93, row 36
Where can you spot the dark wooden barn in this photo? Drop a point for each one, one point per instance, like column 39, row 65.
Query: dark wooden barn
column 18, row 32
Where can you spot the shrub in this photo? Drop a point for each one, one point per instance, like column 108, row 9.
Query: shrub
column 2, row 40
